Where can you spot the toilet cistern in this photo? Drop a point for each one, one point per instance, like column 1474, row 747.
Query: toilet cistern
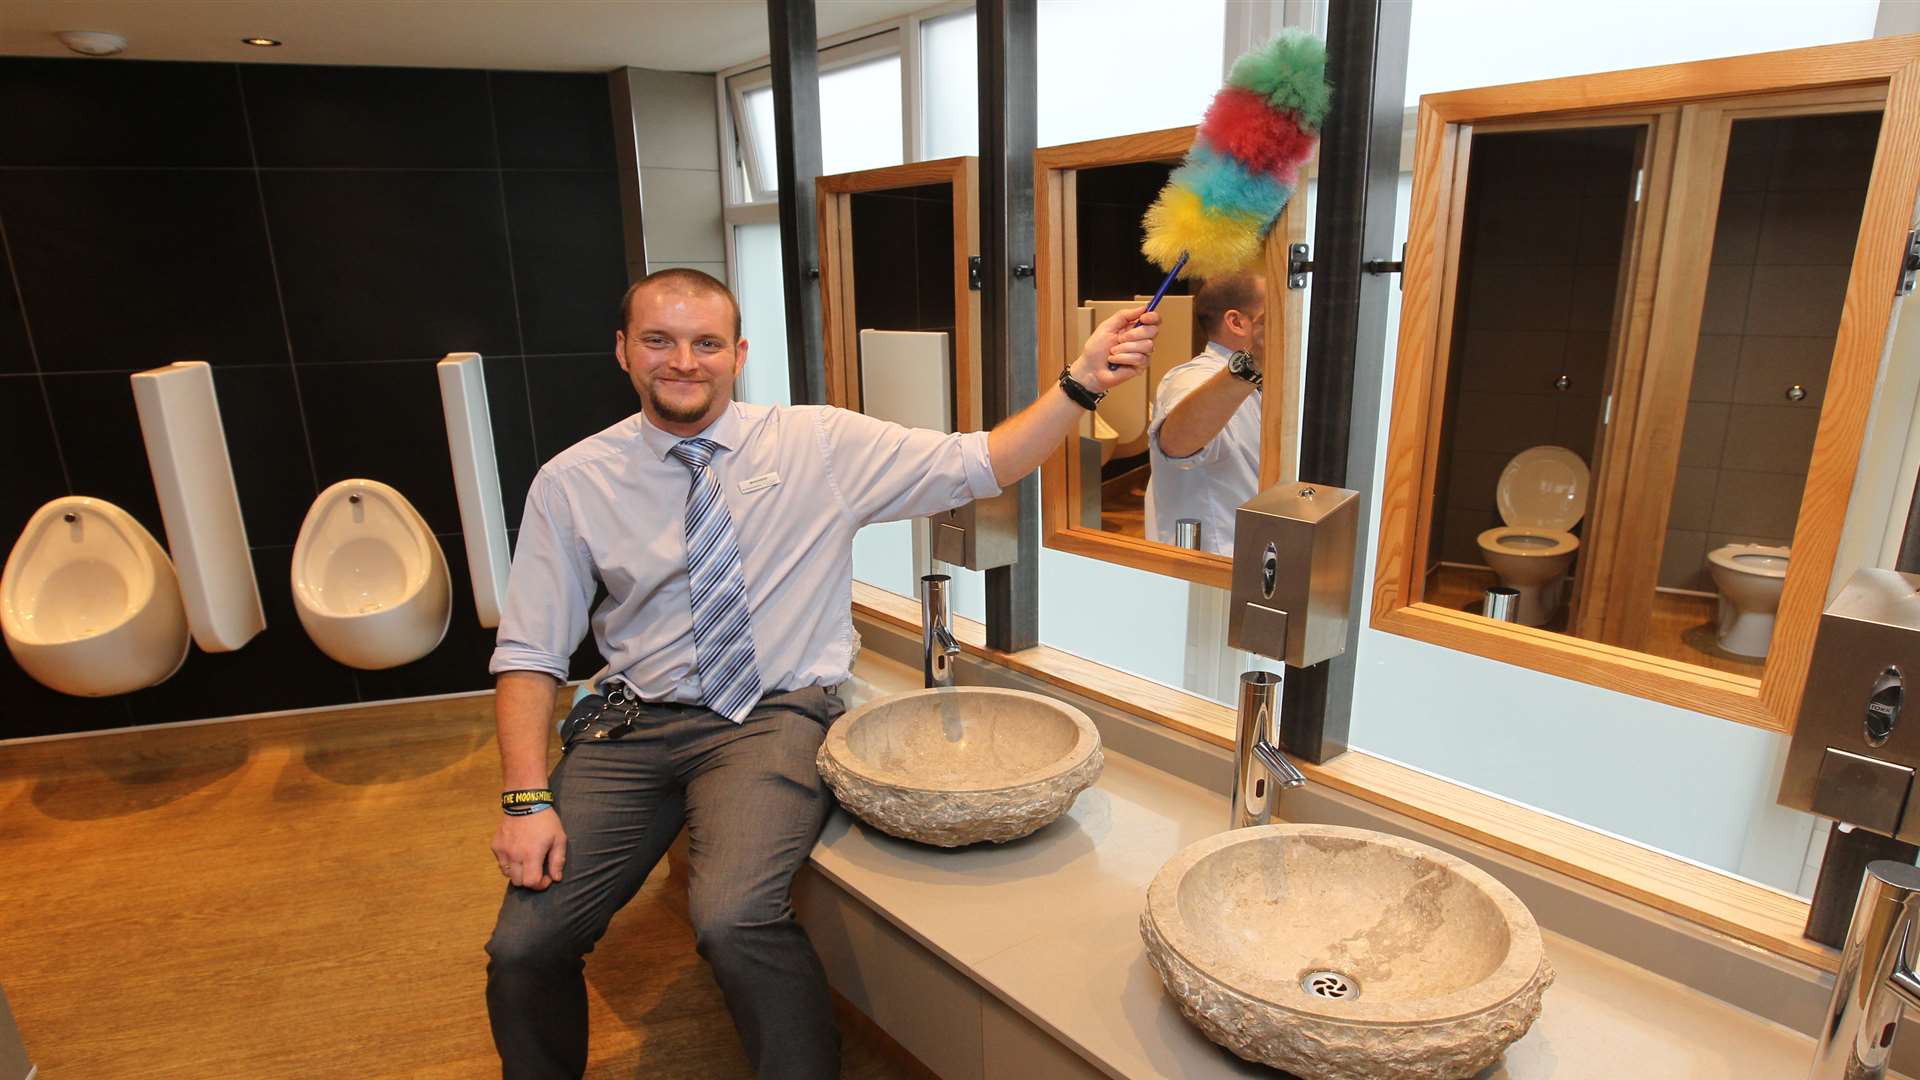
column 938, row 647
column 1293, row 552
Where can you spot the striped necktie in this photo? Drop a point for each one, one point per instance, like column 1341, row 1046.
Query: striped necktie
column 722, row 629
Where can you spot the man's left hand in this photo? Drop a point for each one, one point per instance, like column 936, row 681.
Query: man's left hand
column 1120, row 343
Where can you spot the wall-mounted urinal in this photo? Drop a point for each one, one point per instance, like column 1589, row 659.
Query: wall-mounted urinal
column 89, row 601
column 370, row 582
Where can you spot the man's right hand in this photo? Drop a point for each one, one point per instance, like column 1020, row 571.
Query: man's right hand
column 531, row 848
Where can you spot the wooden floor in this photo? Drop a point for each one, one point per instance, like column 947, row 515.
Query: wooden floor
column 305, row 897
column 1682, row 625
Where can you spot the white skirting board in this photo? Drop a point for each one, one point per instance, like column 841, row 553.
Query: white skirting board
column 476, row 480
column 193, row 478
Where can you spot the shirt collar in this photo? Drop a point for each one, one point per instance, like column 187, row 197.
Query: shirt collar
column 725, row 431
column 1219, row 350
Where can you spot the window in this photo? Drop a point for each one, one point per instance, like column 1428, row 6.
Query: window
column 1447, row 48
column 862, row 114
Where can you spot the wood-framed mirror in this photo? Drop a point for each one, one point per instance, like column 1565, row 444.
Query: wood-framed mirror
column 1644, row 321
column 898, row 313
column 1089, row 198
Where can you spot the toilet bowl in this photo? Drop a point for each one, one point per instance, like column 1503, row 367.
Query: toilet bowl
column 1749, row 577
column 370, row 582
column 1542, row 493
column 89, row 601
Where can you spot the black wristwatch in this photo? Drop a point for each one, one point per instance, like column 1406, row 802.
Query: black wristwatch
column 1083, row 397
column 1243, row 366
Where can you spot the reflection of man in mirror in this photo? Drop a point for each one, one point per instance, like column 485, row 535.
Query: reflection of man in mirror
column 1205, row 433
column 723, row 535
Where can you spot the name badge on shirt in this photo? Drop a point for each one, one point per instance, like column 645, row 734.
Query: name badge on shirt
column 764, row 480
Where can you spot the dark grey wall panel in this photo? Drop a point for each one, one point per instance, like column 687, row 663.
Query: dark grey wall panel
column 552, row 121
column 125, row 269
column 392, row 265
column 567, row 243
column 127, row 113
column 369, row 118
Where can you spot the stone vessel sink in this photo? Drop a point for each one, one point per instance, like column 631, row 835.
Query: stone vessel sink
column 1344, row 954
column 958, row 765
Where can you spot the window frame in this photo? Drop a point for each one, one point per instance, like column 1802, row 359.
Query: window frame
column 1445, row 120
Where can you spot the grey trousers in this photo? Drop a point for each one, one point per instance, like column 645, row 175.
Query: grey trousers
column 753, row 804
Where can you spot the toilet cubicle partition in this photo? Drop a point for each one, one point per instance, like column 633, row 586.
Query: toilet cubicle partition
column 199, row 504
column 476, row 480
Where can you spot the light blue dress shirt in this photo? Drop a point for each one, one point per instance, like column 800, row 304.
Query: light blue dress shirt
column 1210, row 483
column 799, row 481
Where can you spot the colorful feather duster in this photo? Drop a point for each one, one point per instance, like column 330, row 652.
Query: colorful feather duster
column 1217, row 207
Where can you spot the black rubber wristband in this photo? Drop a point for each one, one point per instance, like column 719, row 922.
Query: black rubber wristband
column 1081, row 396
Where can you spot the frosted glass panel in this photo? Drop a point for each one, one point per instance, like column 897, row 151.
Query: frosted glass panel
column 860, row 116
column 1115, row 67
column 1114, row 615
column 1448, row 48
column 883, row 557
column 763, row 314
column 949, row 87
column 760, row 130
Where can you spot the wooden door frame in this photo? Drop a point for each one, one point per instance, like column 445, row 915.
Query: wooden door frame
column 1773, row 702
column 1057, row 274
column 833, row 201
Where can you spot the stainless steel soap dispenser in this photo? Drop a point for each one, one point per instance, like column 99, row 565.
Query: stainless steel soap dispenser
column 1855, row 748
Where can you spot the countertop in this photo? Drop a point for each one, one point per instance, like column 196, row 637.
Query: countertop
column 1049, row 925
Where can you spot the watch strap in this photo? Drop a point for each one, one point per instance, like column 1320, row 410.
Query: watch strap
column 1083, row 397
column 1242, row 367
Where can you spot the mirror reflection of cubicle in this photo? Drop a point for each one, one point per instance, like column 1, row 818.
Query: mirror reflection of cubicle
column 1676, row 281
column 900, row 315
column 902, row 324
column 1089, row 201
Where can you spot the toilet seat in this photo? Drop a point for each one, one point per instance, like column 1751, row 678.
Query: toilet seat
column 370, row 581
column 1550, row 541
column 1760, row 560
column 89, row 601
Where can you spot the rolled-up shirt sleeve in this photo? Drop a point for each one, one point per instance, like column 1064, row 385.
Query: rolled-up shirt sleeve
column 1173, row 389
column 883, row 471
column 549, row 588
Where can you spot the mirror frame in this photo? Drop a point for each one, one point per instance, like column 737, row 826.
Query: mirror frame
column 1439, row 179
column 833, row 202
column 1056, row 270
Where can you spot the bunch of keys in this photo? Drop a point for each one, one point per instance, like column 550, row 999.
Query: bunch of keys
column 620, row 699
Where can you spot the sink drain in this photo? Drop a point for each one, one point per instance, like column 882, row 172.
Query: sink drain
column 1330, row 984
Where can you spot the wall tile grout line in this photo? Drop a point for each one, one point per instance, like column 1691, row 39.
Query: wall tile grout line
column 513, row 279
column 273, row 269
column 33, row 354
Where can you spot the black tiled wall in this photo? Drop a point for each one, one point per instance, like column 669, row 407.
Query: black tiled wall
column 320, row 236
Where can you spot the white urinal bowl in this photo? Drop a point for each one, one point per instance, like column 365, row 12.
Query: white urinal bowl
column 89, row 601
column 370, row 582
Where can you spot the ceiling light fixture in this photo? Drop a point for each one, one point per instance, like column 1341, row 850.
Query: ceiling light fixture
column 261, row 42
column 92, row 42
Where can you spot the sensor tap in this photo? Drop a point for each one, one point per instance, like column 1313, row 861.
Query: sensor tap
column 938, row 647
column 1876, row 984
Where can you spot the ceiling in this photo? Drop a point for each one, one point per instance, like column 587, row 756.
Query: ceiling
column 546, row 35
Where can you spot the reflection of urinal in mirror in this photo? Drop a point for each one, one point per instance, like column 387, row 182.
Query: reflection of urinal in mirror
column 89, row 601
column 369, row 580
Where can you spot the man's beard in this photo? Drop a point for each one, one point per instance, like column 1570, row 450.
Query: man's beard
column 676, row 414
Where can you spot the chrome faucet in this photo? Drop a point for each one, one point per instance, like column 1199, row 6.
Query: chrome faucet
column 1260, row 770
column 1875, row 985
column 938, row 647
